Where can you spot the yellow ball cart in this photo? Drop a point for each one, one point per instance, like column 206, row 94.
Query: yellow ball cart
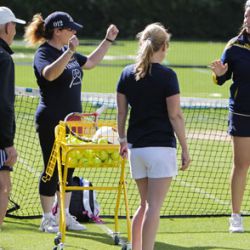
column 66, row 155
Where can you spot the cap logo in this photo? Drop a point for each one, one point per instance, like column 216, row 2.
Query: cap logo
column 58, row 24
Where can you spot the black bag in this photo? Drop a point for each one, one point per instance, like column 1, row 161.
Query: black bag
column 83, row 204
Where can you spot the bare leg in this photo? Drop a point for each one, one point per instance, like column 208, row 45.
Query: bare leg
column 47, row 203
column 241, row 146
column 5, row 187
column 157, row 190
column 139, row 215
column 67, row 200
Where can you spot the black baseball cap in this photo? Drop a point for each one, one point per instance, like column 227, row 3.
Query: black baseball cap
column 59, row 19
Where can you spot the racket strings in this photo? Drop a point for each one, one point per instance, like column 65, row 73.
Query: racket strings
column 81, row 126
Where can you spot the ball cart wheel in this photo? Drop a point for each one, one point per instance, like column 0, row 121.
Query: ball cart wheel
column 57, row 239
column 116, row 240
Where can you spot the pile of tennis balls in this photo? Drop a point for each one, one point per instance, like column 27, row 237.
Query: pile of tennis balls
column 93, row 157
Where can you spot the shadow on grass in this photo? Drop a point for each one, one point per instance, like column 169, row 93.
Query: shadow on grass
column 33, row 227
column 165, row 246
column 212, row 231
column 21, row 224
column 90, row 235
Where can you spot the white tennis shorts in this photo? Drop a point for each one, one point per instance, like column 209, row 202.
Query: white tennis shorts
column 153, row 162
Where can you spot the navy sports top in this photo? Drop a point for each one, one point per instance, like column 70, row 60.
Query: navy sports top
column 149, row 123
column 62, row 95
column 237, row 55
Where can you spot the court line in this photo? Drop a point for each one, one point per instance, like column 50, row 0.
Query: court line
column 206, row 194
column 209, row 135
column 28, row 167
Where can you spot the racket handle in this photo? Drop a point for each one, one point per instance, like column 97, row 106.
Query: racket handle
column 101, row 109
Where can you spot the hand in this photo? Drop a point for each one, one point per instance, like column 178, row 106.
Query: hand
column 219, row 68
column 73, row 43
column 124, row 150
column 11, row 156
column 185, row 160
column 112, row 32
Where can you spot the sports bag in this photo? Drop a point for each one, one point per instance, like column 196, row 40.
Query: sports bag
column 83, row 203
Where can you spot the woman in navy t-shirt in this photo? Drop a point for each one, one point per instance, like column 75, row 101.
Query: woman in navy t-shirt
column 59, row 71
column 152, row 92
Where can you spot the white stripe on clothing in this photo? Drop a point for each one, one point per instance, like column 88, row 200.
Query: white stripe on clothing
column 3, row 157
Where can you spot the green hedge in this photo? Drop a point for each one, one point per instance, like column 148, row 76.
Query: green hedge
column 186, row 19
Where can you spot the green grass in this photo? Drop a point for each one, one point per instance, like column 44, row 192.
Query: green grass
column 204, row 189
column 173, row 234
column 24, row 235
column 194, row 82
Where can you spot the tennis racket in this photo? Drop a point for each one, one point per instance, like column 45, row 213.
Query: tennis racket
column 73, row 120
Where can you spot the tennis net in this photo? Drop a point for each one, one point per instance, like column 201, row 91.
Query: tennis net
column 203, row 190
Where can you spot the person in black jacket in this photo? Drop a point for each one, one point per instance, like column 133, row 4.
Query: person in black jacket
column 8, row 154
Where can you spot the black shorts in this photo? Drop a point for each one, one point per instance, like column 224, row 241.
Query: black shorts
column 3, row 157
column 238, row 125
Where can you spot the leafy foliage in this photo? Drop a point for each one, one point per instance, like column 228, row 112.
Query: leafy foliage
column 189, row 19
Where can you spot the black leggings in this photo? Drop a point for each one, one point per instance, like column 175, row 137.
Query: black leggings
column 46, row 138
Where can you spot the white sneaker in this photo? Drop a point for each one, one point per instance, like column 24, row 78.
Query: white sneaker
column 236, row 224
column 49, row 225
column 73, row 224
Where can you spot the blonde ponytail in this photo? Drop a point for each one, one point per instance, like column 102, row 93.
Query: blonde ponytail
column 144, row 55
column 151, row 40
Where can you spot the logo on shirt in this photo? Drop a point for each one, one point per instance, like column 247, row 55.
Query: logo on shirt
column 76, row 77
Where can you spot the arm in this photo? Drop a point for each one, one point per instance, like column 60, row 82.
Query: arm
column 97, row 55
column 177, row 121
column 122, row 106
column 55, row 69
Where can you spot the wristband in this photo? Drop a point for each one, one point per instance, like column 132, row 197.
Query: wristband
column 121, row 140
column 109, row 40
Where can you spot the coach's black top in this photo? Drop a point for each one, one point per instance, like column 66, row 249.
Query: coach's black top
column 62, row 95
column 149, row 124
column 7, row 96
column 237, row 55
